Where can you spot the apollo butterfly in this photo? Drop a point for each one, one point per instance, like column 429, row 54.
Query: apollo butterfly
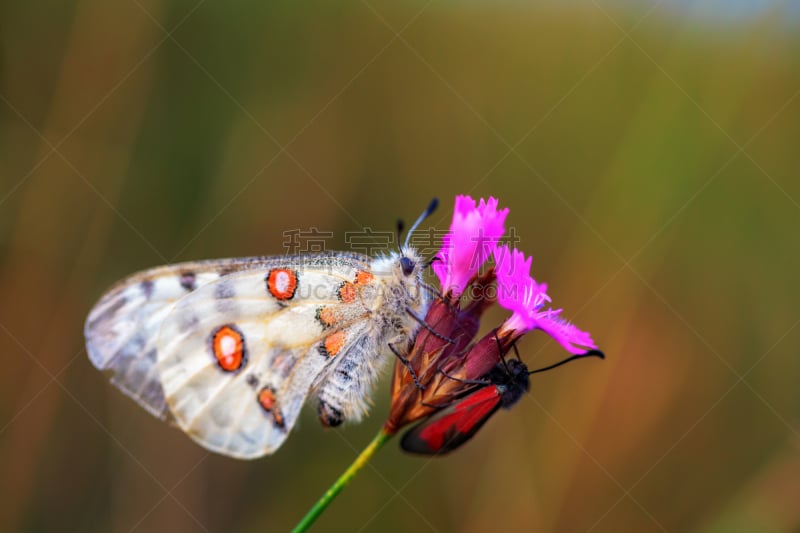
column 229, row 350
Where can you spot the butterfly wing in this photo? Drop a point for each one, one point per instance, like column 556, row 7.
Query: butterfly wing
column 449, row 428
column 237, row 357
column 122, row 327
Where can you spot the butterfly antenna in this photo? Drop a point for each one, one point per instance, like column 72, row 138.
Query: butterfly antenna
column 400, row 226
column 425, row 214
column 594, row 353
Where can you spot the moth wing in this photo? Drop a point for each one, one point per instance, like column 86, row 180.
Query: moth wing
column 122, row 327
column 454, row 425
column 221, row 408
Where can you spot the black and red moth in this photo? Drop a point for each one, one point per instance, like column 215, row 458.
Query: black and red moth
column 455, row 424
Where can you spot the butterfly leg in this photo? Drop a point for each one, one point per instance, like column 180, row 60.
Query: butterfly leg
column 465, row 381
column 425, row 325
column 407, row 364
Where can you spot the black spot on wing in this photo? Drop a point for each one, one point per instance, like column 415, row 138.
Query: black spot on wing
column 323, row 351
column 224, row 291
column 189, row 281
column 147, row 288
column 284, row 363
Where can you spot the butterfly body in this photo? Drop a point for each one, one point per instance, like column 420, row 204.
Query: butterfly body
column 455, row 424
column 229, row 350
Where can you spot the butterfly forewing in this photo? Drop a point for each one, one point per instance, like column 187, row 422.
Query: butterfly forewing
column 121, row 328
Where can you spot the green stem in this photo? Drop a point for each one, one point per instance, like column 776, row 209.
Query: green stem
column 376, row 444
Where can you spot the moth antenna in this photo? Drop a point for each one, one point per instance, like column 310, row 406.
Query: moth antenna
column 594, row 353
column 500, row 351
column 516, row 352
column 425, row 214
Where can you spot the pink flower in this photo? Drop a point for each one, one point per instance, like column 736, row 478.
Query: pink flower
column 445, row 361
column 472, row 238
column 518, row 292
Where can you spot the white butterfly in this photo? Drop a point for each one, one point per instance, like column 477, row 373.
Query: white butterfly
column 229, row 350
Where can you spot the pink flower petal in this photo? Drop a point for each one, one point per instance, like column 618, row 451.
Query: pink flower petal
column 472, row 238
column 518, row 292
column 567, row 335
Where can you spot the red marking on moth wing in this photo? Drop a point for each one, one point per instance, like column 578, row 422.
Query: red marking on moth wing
column 282, row 283
column 228, row 347
column 347, row 292
column 464, row 416
column 364, row 278
column 334, row 343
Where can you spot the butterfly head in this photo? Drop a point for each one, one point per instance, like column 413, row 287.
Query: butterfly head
column 409, row 260
column 407, row 265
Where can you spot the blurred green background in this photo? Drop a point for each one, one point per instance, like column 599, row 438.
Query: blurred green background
column 648, row 152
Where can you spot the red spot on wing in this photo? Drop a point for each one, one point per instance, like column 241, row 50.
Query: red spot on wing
column 266, row 398
column 334, row 343
column 282, row 283
column 347, row 292
column 327, row 316
column 363, row 277
column 454, row 425
column 227, row 345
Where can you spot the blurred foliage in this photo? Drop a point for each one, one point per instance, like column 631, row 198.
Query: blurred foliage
column 648, row 153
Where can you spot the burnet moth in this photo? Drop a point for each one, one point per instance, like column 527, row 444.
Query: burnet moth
column 456, row 423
